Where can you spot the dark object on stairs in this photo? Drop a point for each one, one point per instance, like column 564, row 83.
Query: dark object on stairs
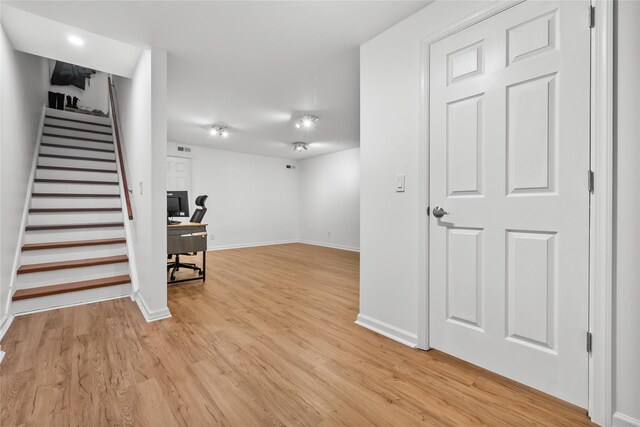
column 53, row 100
column 60, row 102
column 75, row 102
column 69, row 103
column 65, row 74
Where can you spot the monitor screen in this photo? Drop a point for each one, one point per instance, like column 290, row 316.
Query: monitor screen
column 177, row 204
column 173, row 204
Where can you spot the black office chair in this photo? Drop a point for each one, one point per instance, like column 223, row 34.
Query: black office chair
column 197, row 217
column 199, row 213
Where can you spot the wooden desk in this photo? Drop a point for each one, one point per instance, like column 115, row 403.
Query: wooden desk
column 180, row 242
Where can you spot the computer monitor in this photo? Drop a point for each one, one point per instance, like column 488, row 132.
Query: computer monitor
column 177, row 204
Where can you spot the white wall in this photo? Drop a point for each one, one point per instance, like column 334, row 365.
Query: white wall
column 142, row 102
column 389, row 102
column 22, row 95
column 329, row 199
column 252, row 200
column 627, row 209
column 95, row 95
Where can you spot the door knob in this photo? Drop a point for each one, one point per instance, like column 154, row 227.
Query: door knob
column 439, row 212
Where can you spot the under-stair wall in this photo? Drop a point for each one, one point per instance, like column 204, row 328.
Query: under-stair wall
column 74, row 247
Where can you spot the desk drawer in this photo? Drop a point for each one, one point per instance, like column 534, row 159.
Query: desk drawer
column 181, row 245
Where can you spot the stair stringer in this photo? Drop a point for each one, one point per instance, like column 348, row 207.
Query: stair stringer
column 25, row 212
column 128, row 231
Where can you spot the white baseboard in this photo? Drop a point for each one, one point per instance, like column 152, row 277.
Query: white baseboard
column 404, row 337
column 151, row 315
column 251, row 245
column 5, row 322
column 622, row 420
column 329, row 245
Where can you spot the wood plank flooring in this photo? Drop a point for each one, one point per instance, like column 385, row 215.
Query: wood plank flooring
column 269, row 339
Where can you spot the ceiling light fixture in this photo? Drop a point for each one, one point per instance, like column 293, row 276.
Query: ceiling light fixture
column 75, row 40
column 218, row 130
column 300, row 147
column 306, row 121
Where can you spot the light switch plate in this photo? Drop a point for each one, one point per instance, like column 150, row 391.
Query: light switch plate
column 400, row 183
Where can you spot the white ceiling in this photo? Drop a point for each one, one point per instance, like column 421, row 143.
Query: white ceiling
column 253, row 66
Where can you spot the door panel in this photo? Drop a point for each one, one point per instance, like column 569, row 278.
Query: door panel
column 509, row 151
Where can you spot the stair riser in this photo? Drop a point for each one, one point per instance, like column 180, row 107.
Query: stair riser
column 48, row 187
column 77, row 143
column 77, row 134
column 77, row 116
column 68, row 254
column 71, row 163
column 48, row 236
column 70, row 298
column 53, row 277
column 78, row 153
column 46, row 218
column 80, row 176
column 58, row 122
column 71, row 202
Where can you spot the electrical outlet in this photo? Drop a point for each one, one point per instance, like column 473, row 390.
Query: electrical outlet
column 212, row 237
column 328, row 234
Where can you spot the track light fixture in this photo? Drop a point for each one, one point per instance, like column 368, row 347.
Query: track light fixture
column 306, row 121
column 219, row 130
column 300, row 147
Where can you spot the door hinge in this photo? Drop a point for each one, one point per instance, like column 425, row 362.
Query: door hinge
column 589, row 342
column 428, row 210
column 591, row 180
column 592, row 16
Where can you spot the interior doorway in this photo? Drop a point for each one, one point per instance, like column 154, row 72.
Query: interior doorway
column 509, row 146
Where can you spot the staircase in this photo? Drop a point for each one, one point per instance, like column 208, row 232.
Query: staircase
column 74, row 247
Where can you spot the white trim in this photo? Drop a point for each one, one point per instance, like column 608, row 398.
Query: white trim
column 2, row 354
column 5, row 323
column 622, row 420
column 328, row 245
column 25, row 210
column 423, row 157
column 58, row 307
column 601, row 362
column 404, row 337
column 251, row 245
column 151, row 315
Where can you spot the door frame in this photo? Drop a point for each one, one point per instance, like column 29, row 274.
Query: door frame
column 601, row 361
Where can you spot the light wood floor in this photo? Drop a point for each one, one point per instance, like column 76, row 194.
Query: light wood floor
column 268, row 340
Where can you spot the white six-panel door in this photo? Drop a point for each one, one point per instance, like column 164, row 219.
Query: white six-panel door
column 509, row 155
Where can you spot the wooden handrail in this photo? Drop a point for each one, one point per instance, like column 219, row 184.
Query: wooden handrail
column 119, row 147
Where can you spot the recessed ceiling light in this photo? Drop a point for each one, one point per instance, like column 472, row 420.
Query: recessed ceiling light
column 306, row 121
column 75, row 40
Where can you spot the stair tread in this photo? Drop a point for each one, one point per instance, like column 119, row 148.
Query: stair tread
column 74, row 195
column 67, row 168
column 73, row 244
column 70, row 287
column 78, row 138
column 90, row 159
column 77, row 263
column 69, row 210
column 76, row 147
column 76, row 129
column 74, row 181
column 72, row 226
column 48, row 116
